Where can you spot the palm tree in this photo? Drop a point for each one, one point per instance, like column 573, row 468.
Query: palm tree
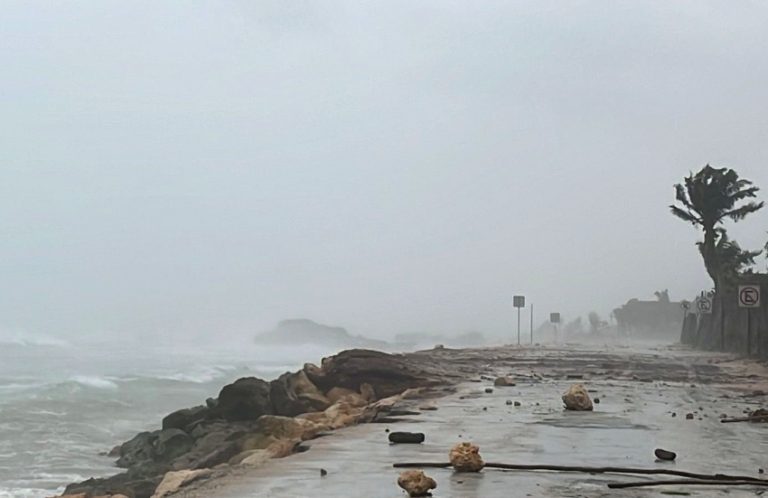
column 707, row 199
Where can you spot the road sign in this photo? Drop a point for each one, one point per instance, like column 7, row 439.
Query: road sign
column 704, row 305
column 749, row 296
column 518, row 301
column 554, row 318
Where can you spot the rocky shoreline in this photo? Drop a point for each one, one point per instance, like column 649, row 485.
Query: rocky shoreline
column 253, row 420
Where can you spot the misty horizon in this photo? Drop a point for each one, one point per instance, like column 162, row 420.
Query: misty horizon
column 215, row 168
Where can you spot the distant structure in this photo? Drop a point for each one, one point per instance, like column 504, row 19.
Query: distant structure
column 659, row 319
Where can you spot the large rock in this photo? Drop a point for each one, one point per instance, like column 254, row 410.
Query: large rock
column 288, row 427
column 416, row 483
column 293, row 394
column 244, row 399
column 173, row 481
column 182, row 419
column 138, row 450
column 127, row 483
column 172, row 443
column 387, row 374
column 577, row 398
column 465, row 457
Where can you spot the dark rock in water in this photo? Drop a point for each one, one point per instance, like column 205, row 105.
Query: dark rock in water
column 596, row 401
column 664, row 454
column 138, row 450
column 509, row 402
column 489, row 390
column 172, row 443
column 689, row 416
column 181, row 419
column 517, row 403
column 244, row 399
column 323, row 472
column 127, row 483
column 406, row 437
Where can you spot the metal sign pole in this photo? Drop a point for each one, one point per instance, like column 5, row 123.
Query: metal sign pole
column 749, row 332
column 518, row 326
column 531, row 323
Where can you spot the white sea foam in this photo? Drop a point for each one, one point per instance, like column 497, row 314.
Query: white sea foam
column 94, row 381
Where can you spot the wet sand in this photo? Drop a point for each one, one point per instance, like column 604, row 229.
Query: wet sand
column 638, row 393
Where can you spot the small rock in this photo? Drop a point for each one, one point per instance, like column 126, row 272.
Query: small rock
column 406, row 437
column 517, row 403
column 674, row 414
column 760, row 471
column 662, row 454
column 509, row 402
column 465, row 457
column 504, row 382
column 489, row 390
column 689, row 416
column 596, row 401
column 416, row 483
column 428, row 407
column 577, row 398
column 323, row 472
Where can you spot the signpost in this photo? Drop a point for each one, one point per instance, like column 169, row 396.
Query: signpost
column 518, row 302
column 749, row 298
column 704, row 305
column 554, row 319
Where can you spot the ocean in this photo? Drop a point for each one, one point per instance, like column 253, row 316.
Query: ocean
column 64, row 405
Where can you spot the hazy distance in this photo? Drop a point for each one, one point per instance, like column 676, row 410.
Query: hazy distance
column 190, row 168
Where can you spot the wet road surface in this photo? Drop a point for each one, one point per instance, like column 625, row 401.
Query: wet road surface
column 634, row 416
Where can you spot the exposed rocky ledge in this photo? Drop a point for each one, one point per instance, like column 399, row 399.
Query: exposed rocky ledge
column 253, row 420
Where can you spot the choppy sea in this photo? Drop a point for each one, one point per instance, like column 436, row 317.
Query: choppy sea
column 64, row 405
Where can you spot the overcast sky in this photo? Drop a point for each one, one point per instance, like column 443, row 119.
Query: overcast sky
column 190, row 167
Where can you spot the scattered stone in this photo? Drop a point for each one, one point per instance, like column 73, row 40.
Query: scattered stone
column 488, row 390
column 428, row 407
column 323, row 472
column 674, row 414
column 509, row 402
column 662, row 454
column 760, row 471
column 577, row 398
column 517, row 403
column 465, row 457
column 416, row 483
column 596, row 401
column 406, row 437
column 689, row 416
column 504, row 382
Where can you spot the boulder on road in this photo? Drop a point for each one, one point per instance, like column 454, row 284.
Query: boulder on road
column 465, row 457
column 577, row 398
column 416, row 483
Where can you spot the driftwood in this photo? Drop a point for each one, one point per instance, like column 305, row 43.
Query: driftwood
column 754, row 418
column 602, row 470
column 685, row 482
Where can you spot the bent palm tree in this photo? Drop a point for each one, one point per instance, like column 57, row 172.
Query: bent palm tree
column 707, row 199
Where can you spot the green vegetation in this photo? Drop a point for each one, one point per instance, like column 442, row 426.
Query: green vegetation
column 706, row 200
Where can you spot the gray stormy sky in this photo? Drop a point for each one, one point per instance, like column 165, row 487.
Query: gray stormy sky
column 189, row 167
